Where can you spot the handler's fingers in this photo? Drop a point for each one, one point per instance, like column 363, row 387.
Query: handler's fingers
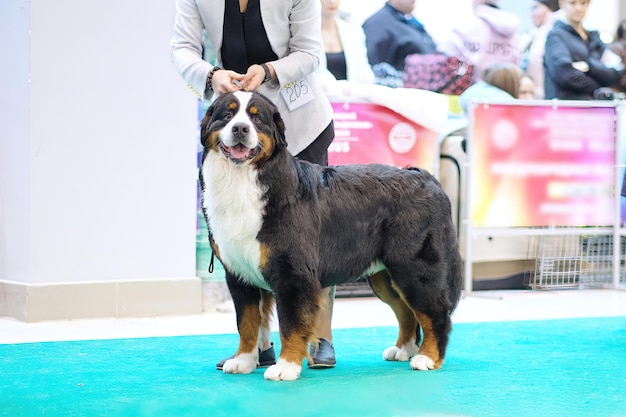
column 253, row 78
column 226, row 81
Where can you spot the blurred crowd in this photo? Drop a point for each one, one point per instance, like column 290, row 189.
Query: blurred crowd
column 486, row 56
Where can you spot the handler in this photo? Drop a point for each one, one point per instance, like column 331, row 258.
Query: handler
column 273, row 47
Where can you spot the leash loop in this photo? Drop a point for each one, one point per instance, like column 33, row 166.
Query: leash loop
column 212, row 262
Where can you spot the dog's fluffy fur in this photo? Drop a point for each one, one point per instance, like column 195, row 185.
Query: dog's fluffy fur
column 285, row 228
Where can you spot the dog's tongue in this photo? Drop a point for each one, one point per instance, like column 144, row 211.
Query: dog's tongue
column 239, row 151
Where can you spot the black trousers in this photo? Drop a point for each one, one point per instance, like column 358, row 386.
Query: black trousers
column 317, row 151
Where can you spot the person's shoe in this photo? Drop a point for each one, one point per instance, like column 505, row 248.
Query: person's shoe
column 323, row 355
column 266, row 358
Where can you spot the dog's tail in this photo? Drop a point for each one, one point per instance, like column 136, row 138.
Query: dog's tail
column 455, row 263
column 455, row 277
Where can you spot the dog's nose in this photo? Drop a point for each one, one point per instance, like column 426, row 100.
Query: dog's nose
column 241, row 130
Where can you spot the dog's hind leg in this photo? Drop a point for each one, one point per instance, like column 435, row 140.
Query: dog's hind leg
column 409, row 330
column 436, row 328
column 430, row 306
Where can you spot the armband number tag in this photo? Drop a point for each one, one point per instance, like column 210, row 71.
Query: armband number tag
column 297, row 94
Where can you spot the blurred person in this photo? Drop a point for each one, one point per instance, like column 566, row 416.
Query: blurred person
column 618, row 46
column 489, row 36
column 391, row 34
column 344, row 46
column 543, row 14
column 345, row 56
column 573, row 58
column 500, row 82
column 527, row 90
column 263, row 46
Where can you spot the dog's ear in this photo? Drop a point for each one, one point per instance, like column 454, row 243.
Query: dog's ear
column 279, row 127
column 205, row 123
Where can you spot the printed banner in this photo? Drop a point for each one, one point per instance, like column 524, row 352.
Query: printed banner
column 621, row 137
column 370, row 133
column 543, row 166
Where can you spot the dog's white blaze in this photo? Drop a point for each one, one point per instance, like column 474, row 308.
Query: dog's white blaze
column 241, row 116
column 234, row 205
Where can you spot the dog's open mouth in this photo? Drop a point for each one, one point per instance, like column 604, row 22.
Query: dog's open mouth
column 239, row 152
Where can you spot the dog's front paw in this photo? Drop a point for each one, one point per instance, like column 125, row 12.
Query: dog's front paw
column 283, row 371
column 422, row 363
column 394, row 353
column 242, row 364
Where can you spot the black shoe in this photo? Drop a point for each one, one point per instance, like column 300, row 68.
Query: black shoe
column 323, row 355
column 266, row 358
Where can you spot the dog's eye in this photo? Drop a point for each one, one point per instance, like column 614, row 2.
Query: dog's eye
column 256, row 119
column 228, row 116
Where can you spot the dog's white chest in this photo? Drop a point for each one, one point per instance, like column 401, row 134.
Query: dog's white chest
column 233, row 201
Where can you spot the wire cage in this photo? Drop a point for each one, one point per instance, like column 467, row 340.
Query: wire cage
column 578, row 261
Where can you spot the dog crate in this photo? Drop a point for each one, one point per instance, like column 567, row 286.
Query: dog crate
column 575, row 262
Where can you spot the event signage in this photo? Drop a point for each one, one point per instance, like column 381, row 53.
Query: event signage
column 536, row 165
column 371, row 133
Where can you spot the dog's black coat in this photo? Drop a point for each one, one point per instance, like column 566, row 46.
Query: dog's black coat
column 323, row 226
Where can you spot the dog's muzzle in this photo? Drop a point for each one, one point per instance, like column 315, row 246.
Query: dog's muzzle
column 241, row 149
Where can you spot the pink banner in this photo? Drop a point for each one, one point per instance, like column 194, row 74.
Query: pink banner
column 542, row 166
column 369, row 133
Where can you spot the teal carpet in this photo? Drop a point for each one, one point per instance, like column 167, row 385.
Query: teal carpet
column 550, row 368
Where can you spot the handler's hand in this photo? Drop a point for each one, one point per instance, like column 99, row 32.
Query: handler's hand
column 226, row 81
column 253, row 78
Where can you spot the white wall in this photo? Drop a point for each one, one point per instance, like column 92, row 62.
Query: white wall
column 14, row 142
column 97, row 146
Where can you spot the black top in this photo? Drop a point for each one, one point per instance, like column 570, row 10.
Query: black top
column 391, row 35
column 336, row 64
column 563, row 47
column 244, row 40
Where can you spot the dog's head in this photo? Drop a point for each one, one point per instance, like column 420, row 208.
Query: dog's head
column 244, row 127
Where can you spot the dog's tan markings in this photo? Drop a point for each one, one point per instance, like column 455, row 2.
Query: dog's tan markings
column 253, row 110
column 266, row 144
column 212, row 139
column 267, row 304
column 429, row 345
column 294, row 348
column 406, row 318
column 249, row 329
column 233, row 105
column 264, row 256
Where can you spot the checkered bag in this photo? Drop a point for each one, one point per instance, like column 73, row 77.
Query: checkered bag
column 438, row 73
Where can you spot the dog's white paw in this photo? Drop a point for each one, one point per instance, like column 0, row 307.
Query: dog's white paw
column 242, row 364
column 283, row 371
column 422, row 363
column 394, row 353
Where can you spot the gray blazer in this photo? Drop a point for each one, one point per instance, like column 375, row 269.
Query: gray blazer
column 294, row 30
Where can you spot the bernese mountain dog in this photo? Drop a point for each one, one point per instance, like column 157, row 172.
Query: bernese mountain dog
column 285, row 228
